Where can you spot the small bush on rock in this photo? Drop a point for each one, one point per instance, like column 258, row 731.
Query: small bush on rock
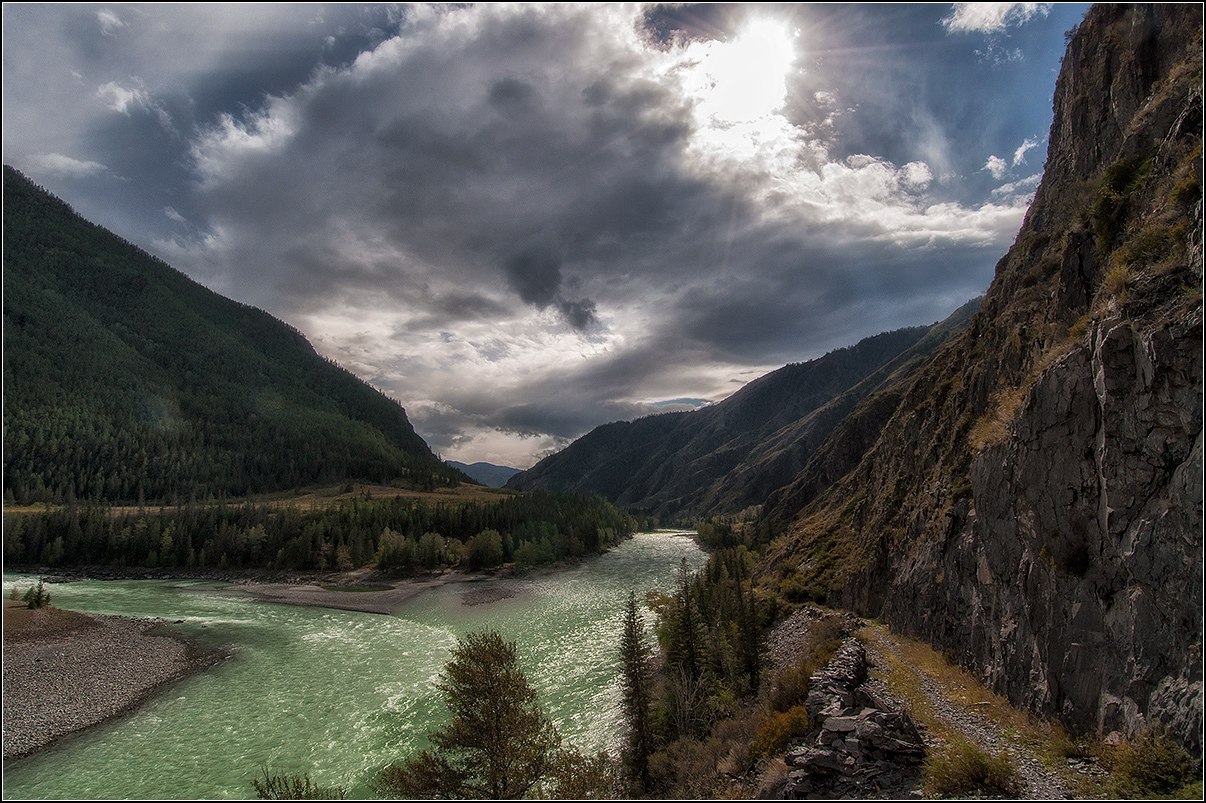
column 778, row 730
column 1153, row 765
column 963, row 769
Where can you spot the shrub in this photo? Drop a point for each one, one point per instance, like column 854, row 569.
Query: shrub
column 1151, row 246
column 294, row 787
column 963, row 769
column 1152, row 765
column 778, row 730
column 1118, row 184
column 1187, row 192
column 37, row 596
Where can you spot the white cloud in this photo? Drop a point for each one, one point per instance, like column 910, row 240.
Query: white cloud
column 1019, row 156
column 57, row 164
column 219, row 150
column 109, row 22
column 996, row 165
column 1023, row 186
column 992, row 17
column 916, row 175
column 173, row 215
column 120, row 98
column 124, row 100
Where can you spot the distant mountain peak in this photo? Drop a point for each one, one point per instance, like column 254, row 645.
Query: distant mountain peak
column 487, row 474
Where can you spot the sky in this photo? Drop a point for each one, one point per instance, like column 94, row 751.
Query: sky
column 523, row 221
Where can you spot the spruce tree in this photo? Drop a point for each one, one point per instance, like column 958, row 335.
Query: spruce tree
column 637, row 683
column 498, row 743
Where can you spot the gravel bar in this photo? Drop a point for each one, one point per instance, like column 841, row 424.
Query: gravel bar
column 56, row 686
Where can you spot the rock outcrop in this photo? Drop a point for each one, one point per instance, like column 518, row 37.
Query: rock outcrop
column 1030, row 499
column 861, row 745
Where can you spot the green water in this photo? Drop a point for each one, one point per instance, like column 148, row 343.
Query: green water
column 334, row 693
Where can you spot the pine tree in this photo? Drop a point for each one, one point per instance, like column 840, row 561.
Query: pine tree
column 498, row 744
column 637, row 683
column 683, row 650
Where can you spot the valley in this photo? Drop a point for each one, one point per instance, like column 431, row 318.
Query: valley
column 960, row 558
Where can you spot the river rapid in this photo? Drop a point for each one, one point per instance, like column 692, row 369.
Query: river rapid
column 340, row 694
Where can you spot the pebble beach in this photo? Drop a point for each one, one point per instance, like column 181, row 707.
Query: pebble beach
column 59, row 680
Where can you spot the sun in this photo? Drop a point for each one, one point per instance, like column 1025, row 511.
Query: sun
column 745, row 78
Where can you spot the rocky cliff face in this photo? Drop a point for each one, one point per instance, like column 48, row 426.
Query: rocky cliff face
column 1030, row 499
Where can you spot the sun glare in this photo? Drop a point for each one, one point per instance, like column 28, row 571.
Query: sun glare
column 745, row 78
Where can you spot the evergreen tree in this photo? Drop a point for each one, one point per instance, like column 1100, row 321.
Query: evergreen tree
column 637, row 682
column 498, row 744
column 684, row 639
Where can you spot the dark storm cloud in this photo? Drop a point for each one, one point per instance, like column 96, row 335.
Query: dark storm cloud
column 510, row 95
column 536, row 275
column 666, row 23
column 582, row 314
column 513, row 218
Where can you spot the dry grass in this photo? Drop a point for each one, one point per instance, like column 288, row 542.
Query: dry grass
column 993, row 427
column 317, row 498
column 962, row 769
column 908, row 659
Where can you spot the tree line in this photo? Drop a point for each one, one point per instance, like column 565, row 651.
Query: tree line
column 399, row 535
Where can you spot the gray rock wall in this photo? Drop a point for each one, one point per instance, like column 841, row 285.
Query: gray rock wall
column 1080, row 567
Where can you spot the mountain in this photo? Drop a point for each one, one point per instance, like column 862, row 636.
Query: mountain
column 1029, row 500
column 487, row 474
column 730, row 455
column 124, row 380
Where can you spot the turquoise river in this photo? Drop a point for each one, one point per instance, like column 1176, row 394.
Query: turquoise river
column 335, row 693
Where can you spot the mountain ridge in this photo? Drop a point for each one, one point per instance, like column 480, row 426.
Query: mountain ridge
column 126, row 381
column 725, row 457
column 489, row 474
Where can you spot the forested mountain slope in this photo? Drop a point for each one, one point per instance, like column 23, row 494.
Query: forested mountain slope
column 124, row 380
column 1030, row 500
column 728, row 456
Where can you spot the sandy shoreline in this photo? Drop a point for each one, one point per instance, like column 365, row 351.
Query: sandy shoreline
column 57, row 683
column 386, row 601
column 315, row 596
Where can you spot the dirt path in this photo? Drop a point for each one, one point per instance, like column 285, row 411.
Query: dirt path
column 1038, row 782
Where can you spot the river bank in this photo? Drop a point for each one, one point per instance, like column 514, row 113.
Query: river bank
column 66, row 671
column 361, row 590
column 348, row 597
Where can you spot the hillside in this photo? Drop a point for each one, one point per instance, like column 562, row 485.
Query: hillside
column 1029, row 500
column 125, row 381
column 729, row 456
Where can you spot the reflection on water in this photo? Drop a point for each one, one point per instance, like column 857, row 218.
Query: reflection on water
column 335, row 693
